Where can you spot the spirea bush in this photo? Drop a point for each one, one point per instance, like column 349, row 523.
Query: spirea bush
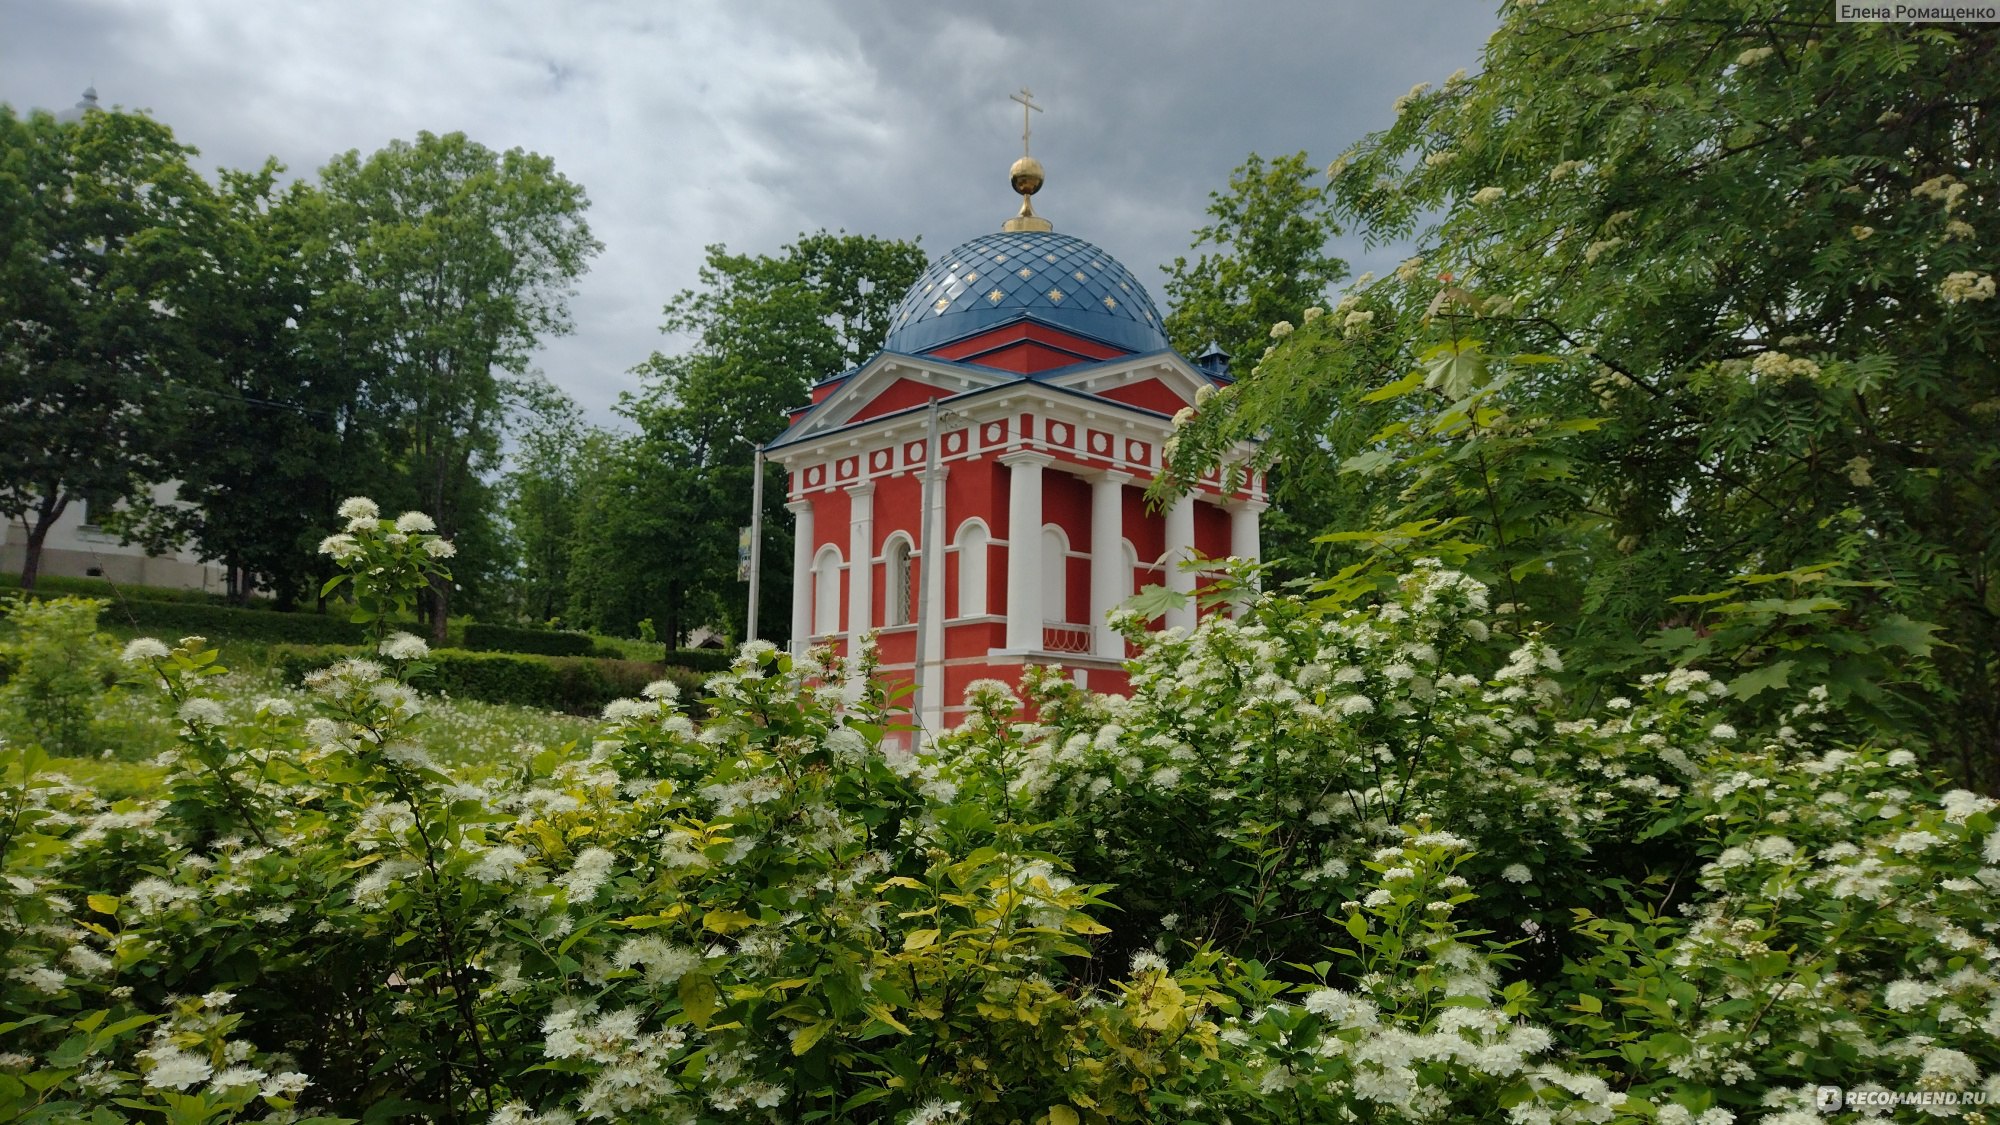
column 766, row 915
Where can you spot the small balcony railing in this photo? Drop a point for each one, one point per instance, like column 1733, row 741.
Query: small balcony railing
column 1059, row 636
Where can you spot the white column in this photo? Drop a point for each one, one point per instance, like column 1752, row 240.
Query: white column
column 1243, row 530
column 1024, row 550
column 934, row 536
column 860, row 565
column 802, row 575
column 1244, row 542
column 1180, row 546
column 1110, row 582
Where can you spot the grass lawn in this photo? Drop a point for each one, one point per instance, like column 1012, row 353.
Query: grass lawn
column 135, row 725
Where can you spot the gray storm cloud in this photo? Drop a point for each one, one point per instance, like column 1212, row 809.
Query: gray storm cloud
column 747, row 123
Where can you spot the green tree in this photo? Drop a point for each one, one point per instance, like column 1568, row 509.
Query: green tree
column 461, row 259
column 648, row 537
column 1263, row 259
column 544, row 491
column 765, row 328
column 102, row 222
column 1704, row 294
column 289, row 406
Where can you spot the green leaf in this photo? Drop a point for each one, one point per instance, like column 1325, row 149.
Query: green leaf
column 919, row 939
column 70, row 1052
column 1455, row 368
column 1898, row 631
column 1369, row 462
column 1771, row 677
column 1154, row 601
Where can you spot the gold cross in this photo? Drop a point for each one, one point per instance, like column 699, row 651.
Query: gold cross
column 1027, row 99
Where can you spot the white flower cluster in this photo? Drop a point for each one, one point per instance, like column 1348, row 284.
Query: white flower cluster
column 1946, row 189
column 145, row 649
column 1966, row 285
column 635, row 1068
column 400, row 646
column 1778, row 366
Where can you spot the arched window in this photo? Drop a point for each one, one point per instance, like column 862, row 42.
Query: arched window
column 1055, row 569
column 826, row 591
column 897, row 557
column 972, row 540
column 1130, row 554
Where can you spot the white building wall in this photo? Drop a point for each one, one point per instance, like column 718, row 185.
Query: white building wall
column 77, row 548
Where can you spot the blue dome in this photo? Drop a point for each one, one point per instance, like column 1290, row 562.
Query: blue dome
column 1012, row 275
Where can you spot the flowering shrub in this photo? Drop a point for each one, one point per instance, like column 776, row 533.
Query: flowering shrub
column 1235, row 796
column 1719, row 921
column 1451, row 903
column 387, row 563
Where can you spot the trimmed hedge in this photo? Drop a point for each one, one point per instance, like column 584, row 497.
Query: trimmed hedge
column 179, row 619
column 701, row 659
column 514, row 638
column 576, row 684
column 57, row 585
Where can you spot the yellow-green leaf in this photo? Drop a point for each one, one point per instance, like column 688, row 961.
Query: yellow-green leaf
column 919, row 939
column 726, row 921
column 699, row 998
column 1063, row 1115
column 103, row 904
column 882, row 1012
column 809, row 1035
column 1401, row 386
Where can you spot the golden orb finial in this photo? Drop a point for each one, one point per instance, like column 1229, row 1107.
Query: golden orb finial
column 1026, row 176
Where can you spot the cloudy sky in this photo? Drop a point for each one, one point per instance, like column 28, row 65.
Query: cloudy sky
column 747, row 122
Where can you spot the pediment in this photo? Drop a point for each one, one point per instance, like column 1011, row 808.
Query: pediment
column 1163, row 382
column 884, row 385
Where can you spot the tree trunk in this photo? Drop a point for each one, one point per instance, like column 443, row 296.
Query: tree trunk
column 673, row 637
column 440, row 607
column 46, row 515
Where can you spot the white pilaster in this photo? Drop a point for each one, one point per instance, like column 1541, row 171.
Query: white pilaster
column 1024, row 550
column 802, row 576
column 931, row 676
column 1244, row 541
column 1180, row 547
column 1110, row 582
column 860, row 565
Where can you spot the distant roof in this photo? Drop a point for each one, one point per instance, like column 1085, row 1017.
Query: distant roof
column 1012, row 275
column 86, row 105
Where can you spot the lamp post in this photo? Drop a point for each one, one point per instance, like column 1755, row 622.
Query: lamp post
column 756, row 537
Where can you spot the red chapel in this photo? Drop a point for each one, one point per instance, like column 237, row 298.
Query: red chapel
column 974, row 493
